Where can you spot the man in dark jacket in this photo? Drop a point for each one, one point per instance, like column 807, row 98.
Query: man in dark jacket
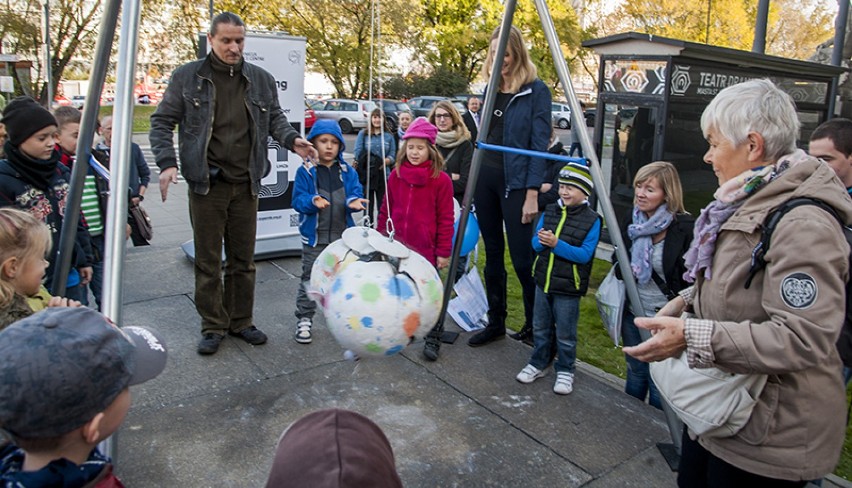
column 471, row 117
column 225, row 109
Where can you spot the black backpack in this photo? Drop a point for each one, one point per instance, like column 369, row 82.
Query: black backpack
column 844, row 342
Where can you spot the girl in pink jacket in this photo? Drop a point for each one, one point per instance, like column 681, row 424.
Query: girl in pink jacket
column 419, row 199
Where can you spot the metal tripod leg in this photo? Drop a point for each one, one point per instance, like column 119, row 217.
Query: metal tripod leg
column 120, row 174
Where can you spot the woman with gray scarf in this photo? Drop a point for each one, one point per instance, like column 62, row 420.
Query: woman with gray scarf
column 783, row 321
column 453, row 143
column 658, row 236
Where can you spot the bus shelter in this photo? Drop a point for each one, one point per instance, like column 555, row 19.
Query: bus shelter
column 651, row 94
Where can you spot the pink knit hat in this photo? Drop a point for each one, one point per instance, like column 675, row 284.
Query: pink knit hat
column 422, row 129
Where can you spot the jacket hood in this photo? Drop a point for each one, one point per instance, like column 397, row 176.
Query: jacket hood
column 334, row 448
column 327, row 126
column 808, row 177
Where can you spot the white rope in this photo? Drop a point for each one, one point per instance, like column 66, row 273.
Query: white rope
column 375, row 73
column 389, row 227
column 367, row 220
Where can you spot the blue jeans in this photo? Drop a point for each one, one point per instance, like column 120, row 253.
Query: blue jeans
column 564, row 311
column 575, row 146
column 639, row 382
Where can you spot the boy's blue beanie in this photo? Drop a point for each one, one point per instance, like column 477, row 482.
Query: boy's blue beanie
column 327, row 126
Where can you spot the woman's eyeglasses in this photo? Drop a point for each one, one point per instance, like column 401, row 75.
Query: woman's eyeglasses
column 443, row 116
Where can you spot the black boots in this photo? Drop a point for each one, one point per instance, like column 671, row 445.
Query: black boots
column 432, row 346
column 524, row 335
column 490, row 334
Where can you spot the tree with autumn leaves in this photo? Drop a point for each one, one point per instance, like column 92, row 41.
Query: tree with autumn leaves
column 430, row 36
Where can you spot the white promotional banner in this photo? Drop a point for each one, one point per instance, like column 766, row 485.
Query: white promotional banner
column 277, row 223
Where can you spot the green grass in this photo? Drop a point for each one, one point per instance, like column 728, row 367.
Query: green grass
column 844, row 467
column 141, row 116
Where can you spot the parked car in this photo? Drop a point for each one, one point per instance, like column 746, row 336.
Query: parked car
column 466, row 96
column 590, row 115
column 350, row 114
column 561, row 115
column 310, row 117
column 392, row 109
column 460, row 104
column 77, row 101
column 420, row 106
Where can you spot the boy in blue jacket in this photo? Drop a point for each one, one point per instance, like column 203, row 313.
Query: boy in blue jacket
column 565, row 240
column 325, row 194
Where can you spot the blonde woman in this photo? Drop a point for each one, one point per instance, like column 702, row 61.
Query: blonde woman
column 508, row 184
column 657, row 236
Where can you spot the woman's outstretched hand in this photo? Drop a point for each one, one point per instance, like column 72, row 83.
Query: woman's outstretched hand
column 667, row 339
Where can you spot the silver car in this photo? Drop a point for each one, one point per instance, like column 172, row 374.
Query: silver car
column 561, row 115
column 350, row 114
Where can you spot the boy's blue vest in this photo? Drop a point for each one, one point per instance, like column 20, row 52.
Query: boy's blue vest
column 557, row 275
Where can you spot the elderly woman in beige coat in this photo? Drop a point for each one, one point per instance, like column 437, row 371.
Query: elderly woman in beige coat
column 786, row 323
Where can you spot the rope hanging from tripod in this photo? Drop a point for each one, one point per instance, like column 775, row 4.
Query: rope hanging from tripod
column 375, row 73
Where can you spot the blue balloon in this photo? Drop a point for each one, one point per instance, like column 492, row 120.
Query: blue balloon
column 471, row 234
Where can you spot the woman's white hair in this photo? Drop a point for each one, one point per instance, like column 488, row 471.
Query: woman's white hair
column 754, row 106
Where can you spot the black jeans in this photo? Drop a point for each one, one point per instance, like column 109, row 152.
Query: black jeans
column 698, row 469
column 496, row 208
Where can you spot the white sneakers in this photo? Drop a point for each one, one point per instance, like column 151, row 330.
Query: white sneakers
column 529, row 374
column 303, row 331
column 564, row 381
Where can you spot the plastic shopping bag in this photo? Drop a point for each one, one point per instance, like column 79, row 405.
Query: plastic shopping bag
column 610, row 298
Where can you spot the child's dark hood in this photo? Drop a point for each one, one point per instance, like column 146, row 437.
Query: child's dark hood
column 333, row 449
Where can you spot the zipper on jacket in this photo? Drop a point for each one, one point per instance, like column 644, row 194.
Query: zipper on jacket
column 313, row 174
column 231, row 68
column 505, row 176
column 552, row 257
column 330, row 206
column 212, row 119
column 254, row 124
column 576, row 277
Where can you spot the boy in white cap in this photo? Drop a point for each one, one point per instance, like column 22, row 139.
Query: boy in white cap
column 64, row 384
column 565, row 240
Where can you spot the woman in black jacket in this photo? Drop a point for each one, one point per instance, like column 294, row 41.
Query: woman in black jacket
column 658, row 236
column 453, row 143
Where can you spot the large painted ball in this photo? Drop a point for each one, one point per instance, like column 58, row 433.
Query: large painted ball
column 429, row 288
column 330, row 262
column 371, row 309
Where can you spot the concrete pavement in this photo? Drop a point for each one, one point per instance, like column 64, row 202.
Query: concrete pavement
column 462, row 421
